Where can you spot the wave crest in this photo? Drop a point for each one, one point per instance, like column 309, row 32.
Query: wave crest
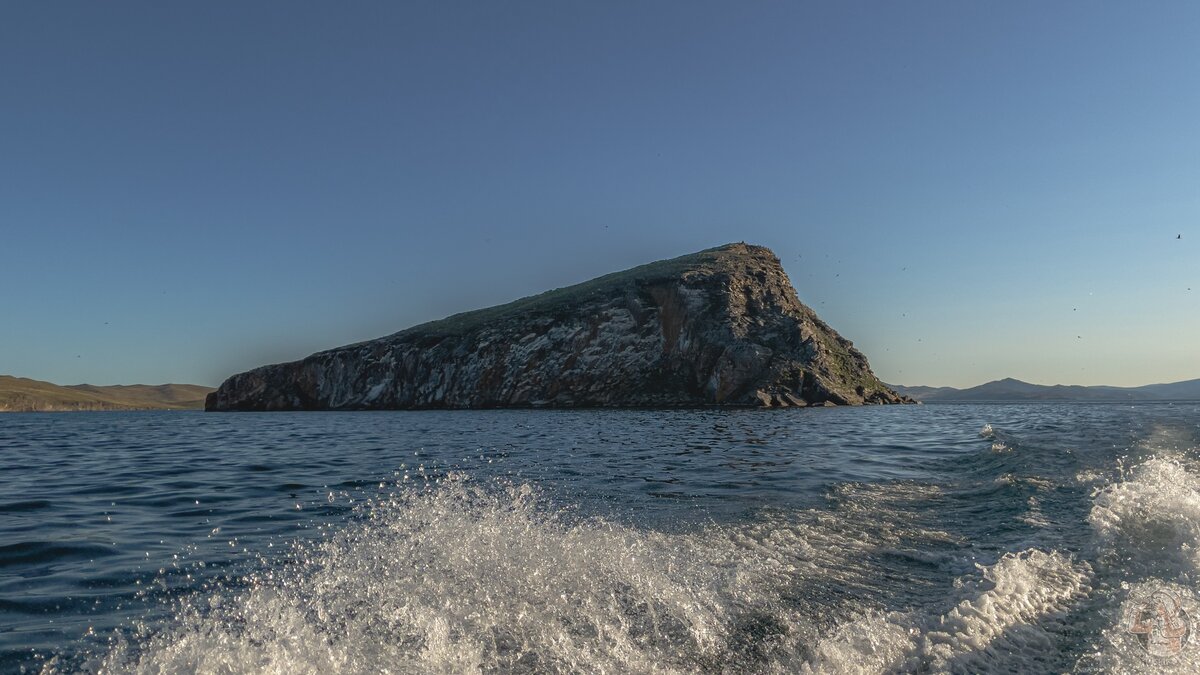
column 1152, row 517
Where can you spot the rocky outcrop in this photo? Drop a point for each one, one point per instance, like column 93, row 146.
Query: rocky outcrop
column 719, row 327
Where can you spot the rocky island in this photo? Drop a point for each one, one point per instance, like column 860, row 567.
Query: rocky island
column 719, row 327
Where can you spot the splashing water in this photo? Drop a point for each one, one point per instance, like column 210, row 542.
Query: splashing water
column 963, row 559
column 457, row 577
column 1005, row 621
column 1155, row 513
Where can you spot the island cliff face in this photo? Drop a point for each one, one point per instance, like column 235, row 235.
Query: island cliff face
column 718, row 327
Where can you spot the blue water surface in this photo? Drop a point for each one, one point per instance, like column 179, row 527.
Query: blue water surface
column 112, row 524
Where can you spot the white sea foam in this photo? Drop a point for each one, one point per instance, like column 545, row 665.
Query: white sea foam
column 1147, row 525
column 1006, row 621
column 461, row 578
column 1152, row 515
column 1118, row 649
column 458, row 578
column 1037, row 482
column 1035, row 516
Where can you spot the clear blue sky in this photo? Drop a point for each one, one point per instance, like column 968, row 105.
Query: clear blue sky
column 967, row 190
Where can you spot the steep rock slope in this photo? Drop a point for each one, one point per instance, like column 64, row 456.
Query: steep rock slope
column 718, row 327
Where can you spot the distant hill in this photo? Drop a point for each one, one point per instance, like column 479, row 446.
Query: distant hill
column 19, row 394
column 1010, row 389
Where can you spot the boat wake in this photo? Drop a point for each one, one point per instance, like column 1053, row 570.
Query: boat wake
column 459, row 575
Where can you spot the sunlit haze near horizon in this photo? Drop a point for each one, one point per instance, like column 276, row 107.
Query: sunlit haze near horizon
column 968, row 191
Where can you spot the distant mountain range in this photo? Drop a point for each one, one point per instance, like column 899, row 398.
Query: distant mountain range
column 19, row 394
column 1009, row 389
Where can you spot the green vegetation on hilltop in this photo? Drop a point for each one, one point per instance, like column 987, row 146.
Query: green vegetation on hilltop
column 563, row 300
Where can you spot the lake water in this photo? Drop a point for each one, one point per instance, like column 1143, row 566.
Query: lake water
column 939, row 538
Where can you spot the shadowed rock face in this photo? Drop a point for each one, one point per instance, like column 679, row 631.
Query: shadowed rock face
column 719, row 327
